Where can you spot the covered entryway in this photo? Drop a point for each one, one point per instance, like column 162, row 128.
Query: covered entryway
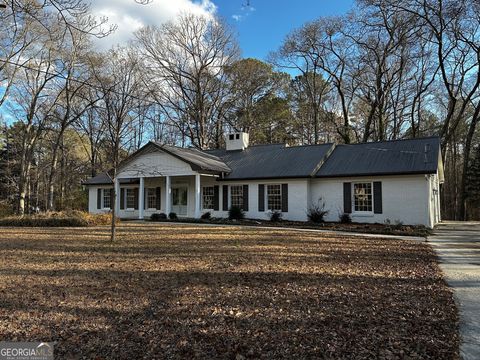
column 180, row 200
column 458, row 246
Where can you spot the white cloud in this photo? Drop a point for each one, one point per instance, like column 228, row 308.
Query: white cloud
column 245, row 11
column 130, row 16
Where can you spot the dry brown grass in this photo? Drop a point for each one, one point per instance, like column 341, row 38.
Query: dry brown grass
column 170, row 291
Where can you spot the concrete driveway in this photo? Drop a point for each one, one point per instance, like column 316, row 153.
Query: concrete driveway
column 458, row 246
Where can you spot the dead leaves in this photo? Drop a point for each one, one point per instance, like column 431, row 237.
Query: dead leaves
column 166, row 291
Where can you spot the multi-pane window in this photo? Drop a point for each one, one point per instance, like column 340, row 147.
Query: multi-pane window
column 208, row 197
column 130, row 194
column 151, row 198
column 274, row 197
column 106, row 199
column 362, row 196
column 236, row 196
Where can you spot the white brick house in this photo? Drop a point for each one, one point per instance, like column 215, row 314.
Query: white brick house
column 373, row 182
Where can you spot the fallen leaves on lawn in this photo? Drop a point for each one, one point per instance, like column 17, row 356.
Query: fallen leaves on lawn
column 165, row 291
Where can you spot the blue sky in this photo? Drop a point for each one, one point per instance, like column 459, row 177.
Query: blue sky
column 260, row 27
column 263, row 29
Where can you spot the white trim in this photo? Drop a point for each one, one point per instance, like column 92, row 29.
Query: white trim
column 362, row 213
column 266, row 197
column 202, row 200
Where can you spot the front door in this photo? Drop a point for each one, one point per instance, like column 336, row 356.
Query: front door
column 179, row 200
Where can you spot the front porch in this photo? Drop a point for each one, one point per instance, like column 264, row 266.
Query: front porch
column 140, row 197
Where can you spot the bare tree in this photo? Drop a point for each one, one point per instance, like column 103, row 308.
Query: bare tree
column 186, row 61
column 74, row 77
column 299, row 52
column 120, row 82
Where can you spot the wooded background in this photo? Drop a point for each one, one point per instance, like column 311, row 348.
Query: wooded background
column 390, row 69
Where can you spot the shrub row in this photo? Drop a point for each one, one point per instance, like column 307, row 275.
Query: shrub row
column 58, row 219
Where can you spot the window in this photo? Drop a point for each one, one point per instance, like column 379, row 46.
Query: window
column 237, row 136
column 151, row 198
column 130, row 194
column 208, row 197
column 236, row 196
column 106, row 199
column 231, row 136
column 274, row 197
column 362, row 197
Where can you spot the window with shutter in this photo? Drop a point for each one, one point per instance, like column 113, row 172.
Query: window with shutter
column 274, row 197
column 362, row 197
column 106, row 199
column 208, row 197
column 151, row 198
column 236, row 196
column 130, row 197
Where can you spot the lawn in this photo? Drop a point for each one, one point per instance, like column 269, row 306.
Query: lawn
column 189, row 291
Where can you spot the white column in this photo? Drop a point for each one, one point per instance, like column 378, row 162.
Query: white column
column 168, row 195
column 198, row 210
column 141, row 198
column 117, row 199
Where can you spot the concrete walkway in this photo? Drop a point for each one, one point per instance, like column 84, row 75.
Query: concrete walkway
column 458, row 246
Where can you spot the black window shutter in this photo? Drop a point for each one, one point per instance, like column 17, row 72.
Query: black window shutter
column 377, row 197
column 216, row 200
column 135, row 196
column 122, row 198
column 225, row 197
column 111, row 198
column 99, row 198
column 261, row 197
column 245, row 197
column 347, row 197
column 158, row 198
column 284, row 197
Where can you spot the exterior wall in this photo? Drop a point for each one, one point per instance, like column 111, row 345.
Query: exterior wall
column 411, row 199
column 404, row 198
column 434, row 199
column 297, row 198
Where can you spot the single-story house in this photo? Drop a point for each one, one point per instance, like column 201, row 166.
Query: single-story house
column 375, row 182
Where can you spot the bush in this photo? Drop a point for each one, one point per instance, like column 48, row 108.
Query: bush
column 33, row 221
column 72, row 218
column 317, row 212
column 5, row 209
column 345, row 218
column 276, row 216
column 158, row 217
column 173, row 216
column 398, row 224
column 236, row 213
column 206, row 216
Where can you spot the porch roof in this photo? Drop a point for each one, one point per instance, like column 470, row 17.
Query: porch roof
column 105, row 179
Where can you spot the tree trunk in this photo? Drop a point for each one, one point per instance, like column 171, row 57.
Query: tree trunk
column 466, row 163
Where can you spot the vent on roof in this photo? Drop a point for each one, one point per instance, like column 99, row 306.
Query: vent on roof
column 237, row 141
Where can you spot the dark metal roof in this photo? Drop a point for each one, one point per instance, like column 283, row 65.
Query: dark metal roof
column 412, row 156
column 198, row 160
column 105, row 179
column 273, row 161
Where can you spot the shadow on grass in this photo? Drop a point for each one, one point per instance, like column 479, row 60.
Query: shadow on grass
column 260, row 296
